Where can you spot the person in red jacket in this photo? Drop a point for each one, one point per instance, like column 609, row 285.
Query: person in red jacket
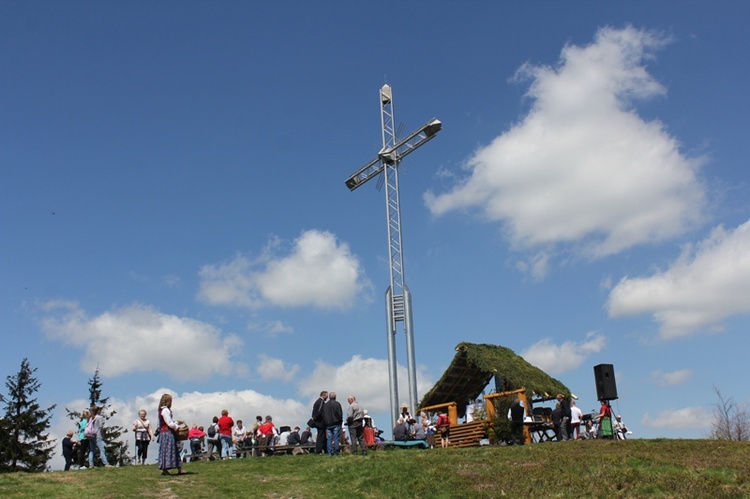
column 225, row 434
column 267, row 436
column 444, row 427
column 195, row 436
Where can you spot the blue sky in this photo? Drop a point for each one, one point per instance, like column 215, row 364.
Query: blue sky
column 173, row 208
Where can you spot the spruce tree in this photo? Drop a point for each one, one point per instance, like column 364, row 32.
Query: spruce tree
column 26, row 444
column 115, row 447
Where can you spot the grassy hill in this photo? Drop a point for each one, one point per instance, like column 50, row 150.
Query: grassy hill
column 636, row 468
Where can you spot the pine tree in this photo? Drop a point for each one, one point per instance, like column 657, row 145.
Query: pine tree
column 26, row 444
column 115, row 447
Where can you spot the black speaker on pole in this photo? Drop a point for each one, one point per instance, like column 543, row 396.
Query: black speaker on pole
column 606, row 388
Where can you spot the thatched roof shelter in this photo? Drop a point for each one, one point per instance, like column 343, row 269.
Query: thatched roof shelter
column 475, row 365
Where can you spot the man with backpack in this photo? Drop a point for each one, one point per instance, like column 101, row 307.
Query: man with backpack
column 212, row 439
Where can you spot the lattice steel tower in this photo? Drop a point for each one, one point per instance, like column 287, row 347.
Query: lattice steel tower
column 397, row 296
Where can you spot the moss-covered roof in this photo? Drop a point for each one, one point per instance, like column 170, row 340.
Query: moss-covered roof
column 473, row 368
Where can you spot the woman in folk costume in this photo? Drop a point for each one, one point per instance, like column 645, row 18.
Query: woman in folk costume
column 169, row 454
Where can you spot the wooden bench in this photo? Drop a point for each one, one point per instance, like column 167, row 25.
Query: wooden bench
column 406, row 444
column 277, row 449
column 199, row 456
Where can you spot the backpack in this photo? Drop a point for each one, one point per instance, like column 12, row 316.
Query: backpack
column 211, row 431
column 89, row 431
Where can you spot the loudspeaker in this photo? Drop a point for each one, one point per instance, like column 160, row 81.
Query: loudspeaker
column 606, row 388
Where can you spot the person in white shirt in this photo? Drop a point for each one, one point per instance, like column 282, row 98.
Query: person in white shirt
column 240, row 439
column 575, row 418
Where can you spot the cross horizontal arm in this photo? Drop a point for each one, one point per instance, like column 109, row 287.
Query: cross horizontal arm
column 371, row 169
column 394, row 155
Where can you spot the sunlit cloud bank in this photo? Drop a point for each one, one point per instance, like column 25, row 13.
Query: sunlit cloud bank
column 686, row 418
column 558, row 359
column 582, row 168
column 317, row 271
column 367, row 379
column 115, row 341
column 708, row 283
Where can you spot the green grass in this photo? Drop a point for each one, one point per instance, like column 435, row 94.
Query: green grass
column 636, row 468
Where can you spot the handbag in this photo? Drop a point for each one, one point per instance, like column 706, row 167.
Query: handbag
column 143, row 434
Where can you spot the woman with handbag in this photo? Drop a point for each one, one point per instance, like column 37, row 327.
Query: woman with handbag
column 143, row 436
column 95, row 436
column 169, row 454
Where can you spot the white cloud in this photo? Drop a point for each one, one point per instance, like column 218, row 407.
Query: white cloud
column 671, row 378
column 318, row 272
column 557, row 359
column 367, row 379
column 708, row 283
column 679, row 419
column 270, row 368
column 276, row 328
column 582, row 168
column 139, row 338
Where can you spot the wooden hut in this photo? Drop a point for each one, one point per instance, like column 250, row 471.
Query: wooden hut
column 472, row 369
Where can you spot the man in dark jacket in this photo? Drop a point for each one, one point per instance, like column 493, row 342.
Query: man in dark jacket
column 333, row 417
column 294, row 437
column 566, row 414
column 517, row 414
column 557, row 419
column 317, row 423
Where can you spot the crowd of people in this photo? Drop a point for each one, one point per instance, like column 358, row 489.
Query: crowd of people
column 226, row 438
column 569, row 423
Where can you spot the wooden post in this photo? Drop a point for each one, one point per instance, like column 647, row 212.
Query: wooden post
column 453, row 413
column 526, row 411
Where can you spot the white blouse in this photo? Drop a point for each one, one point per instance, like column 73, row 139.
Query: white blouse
column 166, row 415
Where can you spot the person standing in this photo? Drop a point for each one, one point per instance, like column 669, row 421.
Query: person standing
column 355, row 417
column 143, row 436
column 212, row 439
column 318, row 424
column 566, row 415
column 605, row 420
column 517, row 414
column 96, row 437
column 575, row 420
column 226, row 424
column 67, row 449
column 444, row 427
column 557, row 418
column 83, row 442
column 169, row 454
column 333, row 416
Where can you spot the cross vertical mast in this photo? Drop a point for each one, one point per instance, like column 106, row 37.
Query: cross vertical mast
column 397, row 296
